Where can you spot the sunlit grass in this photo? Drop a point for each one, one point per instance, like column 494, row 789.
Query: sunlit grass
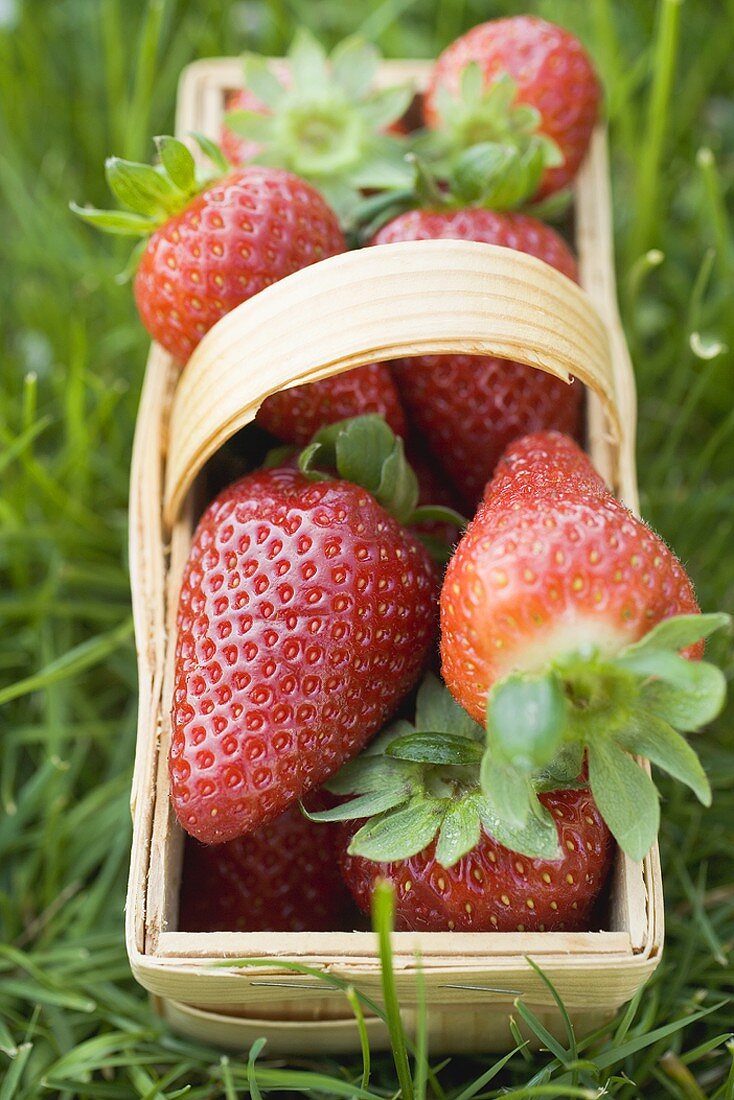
column 79, row 80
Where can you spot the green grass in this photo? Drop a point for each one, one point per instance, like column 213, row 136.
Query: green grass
column 79, row 79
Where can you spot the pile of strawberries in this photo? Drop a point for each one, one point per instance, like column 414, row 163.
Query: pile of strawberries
column 366, row 686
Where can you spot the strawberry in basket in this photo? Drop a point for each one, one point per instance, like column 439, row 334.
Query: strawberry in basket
column 568, row 626
column 521, row 83
column 211, row 241
column 283, row 877
column 212, row 244
column 469, row 408
column 306, row 614
column 418, row 818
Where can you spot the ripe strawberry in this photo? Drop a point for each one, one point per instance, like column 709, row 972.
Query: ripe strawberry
column 305, row 616
column 528, row 62
column 469, row 408
column 296, row 414
column 282, row 878
column 455, row 857
column 492, row 889
column 211, row 249
column 548, row 631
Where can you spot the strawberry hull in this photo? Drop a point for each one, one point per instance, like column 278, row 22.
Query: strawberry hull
column 424, row 298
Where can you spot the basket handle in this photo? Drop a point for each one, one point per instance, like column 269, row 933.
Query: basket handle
column 384, row 302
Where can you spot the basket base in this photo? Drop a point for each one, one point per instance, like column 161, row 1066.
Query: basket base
column 460, row 1029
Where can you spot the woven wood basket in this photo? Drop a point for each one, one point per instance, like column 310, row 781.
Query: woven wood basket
column 397, row 300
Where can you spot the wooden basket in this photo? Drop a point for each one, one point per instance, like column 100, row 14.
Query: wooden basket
column 396, row 300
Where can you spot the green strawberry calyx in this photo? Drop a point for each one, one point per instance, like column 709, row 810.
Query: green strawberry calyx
column 151, row 194
column 482, row 116
column 366, row 451
column 328, row 124
column 488, row 175
column 444, row 777
column 607, row 709
column 420, row 781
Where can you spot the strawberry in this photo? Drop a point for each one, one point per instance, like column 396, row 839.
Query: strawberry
column 469, row 408
column 281, row 878
column 510, row 78
column 296, row 414
column 306, row 612
column 562, row 618
column 492, row 889
column 208, row 250
column 418, row 816
column 323, row 119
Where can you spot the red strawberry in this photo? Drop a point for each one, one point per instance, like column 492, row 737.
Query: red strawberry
column 243, row 233
column 543, row 610
column 306, row 614
column 469, row 408
column 552, row 73
column 296, row 414
column 551, row 560
column 211, row 249
column 281, row 878
column 492, row 889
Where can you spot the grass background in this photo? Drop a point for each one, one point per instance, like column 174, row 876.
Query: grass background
column 81, row 78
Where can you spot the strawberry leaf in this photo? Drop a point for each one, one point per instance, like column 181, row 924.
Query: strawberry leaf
column 307, row 61
column 252, row 125
column 537, row 838
column 365, row 805
column 366, row 451
column 649, row 736
column 679, row 632
column 371, row 773
column 123, row 223
column 354, row 64
column 698, row 688
column 436, row 709
column 141, row 188
column 459, row 832
column 262, row 81
column 211, row 150
column 399, row 834
column 436, row 748
column 563, row 770
column 625, row 795
column 386, row 105
column 178, row 162
column 508, row 789
column 526, row 719
column 681, row 707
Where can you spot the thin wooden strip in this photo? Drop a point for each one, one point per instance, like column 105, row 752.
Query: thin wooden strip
column 435, row 297
column 361, row 945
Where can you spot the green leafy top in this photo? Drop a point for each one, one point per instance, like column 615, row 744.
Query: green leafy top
column 328, row 123
column 366, row 451
column 153, row 194
column 419, row 782
column 446, row 776
column 506, row 134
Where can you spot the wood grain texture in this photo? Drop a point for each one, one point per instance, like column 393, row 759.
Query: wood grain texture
column 399, row 299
